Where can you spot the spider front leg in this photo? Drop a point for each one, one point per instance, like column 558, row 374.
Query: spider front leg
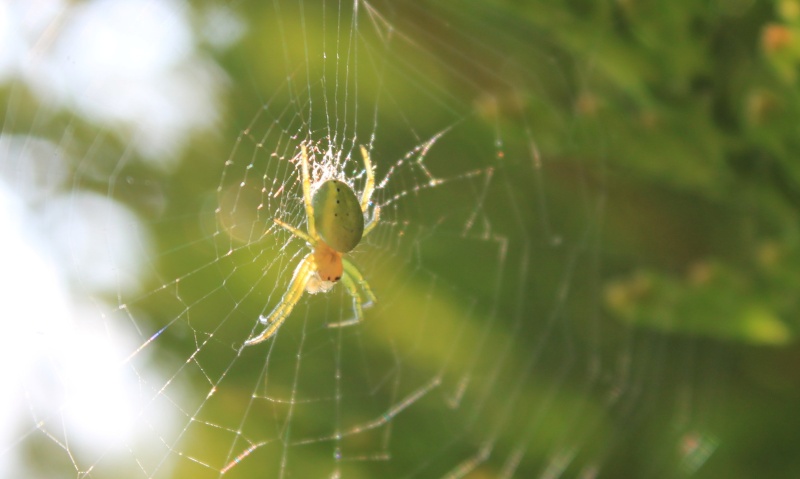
column 353, row 279
column 312, row 229
column 376, row 215
column 369, row 186
column 302, row 274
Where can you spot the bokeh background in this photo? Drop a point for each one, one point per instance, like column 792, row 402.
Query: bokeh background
column 588, row 262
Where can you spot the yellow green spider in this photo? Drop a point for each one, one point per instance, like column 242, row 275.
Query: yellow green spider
column 335, row 224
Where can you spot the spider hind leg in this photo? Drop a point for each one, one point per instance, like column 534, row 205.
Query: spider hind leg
column 300, row 278
column 352, row 280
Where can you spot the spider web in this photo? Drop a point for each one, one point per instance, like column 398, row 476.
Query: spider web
column 144, row 214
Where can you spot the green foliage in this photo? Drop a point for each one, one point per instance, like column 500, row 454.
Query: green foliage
column 703, row 105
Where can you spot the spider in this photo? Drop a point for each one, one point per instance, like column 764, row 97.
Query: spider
column 335, row 225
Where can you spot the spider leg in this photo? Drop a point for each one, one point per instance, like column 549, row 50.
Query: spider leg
column 351, row 270
column 352, row 290
column 376, row 214
column 300, row 278
column 312, row 229
column 366, row 196
column 352, row 279
column 291, row 229
column 369, row 186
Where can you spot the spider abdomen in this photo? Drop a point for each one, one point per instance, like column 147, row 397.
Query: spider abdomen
column 338, row 216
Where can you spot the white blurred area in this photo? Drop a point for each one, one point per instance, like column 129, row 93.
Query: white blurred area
column 133, row 68
column 63, row 349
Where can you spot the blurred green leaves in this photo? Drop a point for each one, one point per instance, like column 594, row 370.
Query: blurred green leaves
column 713, row 300
column 707, row 113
